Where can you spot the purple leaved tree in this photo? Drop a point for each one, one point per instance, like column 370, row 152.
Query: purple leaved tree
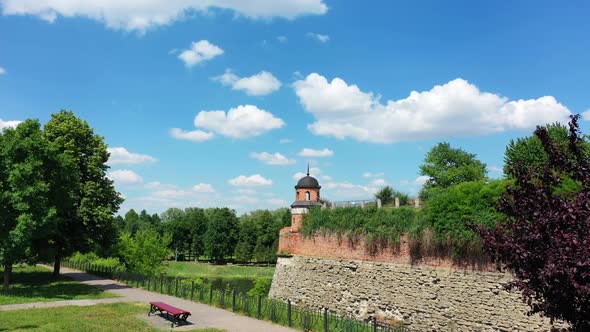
column 545, row 241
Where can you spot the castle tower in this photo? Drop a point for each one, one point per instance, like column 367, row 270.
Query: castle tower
column 307, row 195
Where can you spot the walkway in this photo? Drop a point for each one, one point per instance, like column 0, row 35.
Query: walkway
column 202, row 315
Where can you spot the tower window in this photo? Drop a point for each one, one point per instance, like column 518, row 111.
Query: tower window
column 307, row 196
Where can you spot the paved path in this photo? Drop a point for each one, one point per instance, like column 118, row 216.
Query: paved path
column 202, row 315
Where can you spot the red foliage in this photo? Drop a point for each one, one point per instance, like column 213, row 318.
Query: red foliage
column 546, row 239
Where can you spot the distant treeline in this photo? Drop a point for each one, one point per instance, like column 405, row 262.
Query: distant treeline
column 214, row 234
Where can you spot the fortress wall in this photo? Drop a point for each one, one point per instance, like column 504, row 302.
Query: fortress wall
column 324, row 271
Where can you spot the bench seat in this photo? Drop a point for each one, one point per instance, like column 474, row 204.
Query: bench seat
column 179, row 315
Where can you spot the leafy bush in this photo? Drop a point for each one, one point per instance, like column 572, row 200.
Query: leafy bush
column 444, row 229
column 92, row 258
column 380, row 227
column 261, row 287
column 145, row 252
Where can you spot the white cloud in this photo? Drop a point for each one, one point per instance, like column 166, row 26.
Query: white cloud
column 379, row 182
column 259, row 84
column 272, row 158
column 306, row 152
column 326, row 178
column 277, row 202
column 125, row 176
column 120, row 155
column 495, row 169
column 457, row 108
column 586, row 115
column 372, row 175
column 314, row 171
column 244, row 199
column 282, row 39
column 200, row 51
column 285, row 141
column 319, row 37
column 8, row 124
column 195, row 135
column 240, row 122
column 141, row 15
column 2, row 71
column 255, row 180
column 421, row 180
column 245, row 191
column 203, row 188
column 347, row 190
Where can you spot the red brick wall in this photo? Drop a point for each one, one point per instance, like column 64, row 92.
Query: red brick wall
column 329, row 246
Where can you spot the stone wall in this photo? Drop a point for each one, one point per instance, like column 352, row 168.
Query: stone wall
column 425, row 298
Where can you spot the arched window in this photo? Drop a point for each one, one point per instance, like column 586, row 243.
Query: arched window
column 307, row 196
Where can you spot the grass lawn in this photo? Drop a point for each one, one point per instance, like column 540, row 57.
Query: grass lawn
column 205, row 270
column 106, row 317
column 37, row 284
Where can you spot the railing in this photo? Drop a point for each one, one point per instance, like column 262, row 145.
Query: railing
column 279, row 312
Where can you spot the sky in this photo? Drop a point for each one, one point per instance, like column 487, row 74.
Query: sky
column 224, row 102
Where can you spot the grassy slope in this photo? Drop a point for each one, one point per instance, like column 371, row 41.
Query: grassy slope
column 102, row 318
column 36, row 284
column 204, row 270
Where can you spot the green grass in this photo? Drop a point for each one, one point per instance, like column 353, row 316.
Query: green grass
column 104, row 318
column 37, row 284
column 204, row 270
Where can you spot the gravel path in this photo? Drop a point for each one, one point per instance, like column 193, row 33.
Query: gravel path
column 202, row 315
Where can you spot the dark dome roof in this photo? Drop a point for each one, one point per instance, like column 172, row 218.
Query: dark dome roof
column 308, row 182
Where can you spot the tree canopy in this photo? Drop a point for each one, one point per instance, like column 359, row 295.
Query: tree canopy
column 446, row 166
column 545, row 240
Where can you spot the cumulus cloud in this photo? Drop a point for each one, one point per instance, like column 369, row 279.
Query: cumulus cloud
column 282, row 39
column 372, row 175
column 203, row 188
column 8, row 124
column 245, row 191
column 421, row 180
column 120, row 155
column 255, row 180
column 314, row 171
column 141, row 15
column 306, row 152
column 586, row 115
column 2, row 71
column 194, row 136
column 457, row 108
column 379, row 182
column 319, row 37
column 272, row 158
column 240, row 122
column 285, row 141
column 277, row 202
column 200, row 51
column 125, row 176
column 259, row 84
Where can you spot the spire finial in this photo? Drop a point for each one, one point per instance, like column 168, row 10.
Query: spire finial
column 307, row 169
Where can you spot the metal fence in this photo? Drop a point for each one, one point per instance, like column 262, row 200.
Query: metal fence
column 283, row 313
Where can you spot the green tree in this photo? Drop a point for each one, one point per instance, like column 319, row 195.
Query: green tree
column 451, row 212
column 86, row 219
column 246, row 238
column 132, row 222
column 385, row 194
column 198, row 222
column 528, row 154
column 26, row 206
column 145, row 252
column 446, row 166
column 220, row 237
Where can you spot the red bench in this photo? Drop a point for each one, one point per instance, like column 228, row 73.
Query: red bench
column 178, row 314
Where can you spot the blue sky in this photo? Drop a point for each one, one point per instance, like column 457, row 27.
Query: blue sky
column 222, row 103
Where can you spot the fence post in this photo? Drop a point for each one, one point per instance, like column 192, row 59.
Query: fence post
column 233, row 301
column 161, row 283
column 259, row 313
column 289, row 317
column 176, row 288
column 325, row 319
column 149, row 282
column 192, row 290
column 374, row 324
column 211, row 294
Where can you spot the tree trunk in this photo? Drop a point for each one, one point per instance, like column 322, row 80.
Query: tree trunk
column 7, row 275
column 56, row 265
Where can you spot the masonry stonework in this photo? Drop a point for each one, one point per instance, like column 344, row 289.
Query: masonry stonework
column 422, row 297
